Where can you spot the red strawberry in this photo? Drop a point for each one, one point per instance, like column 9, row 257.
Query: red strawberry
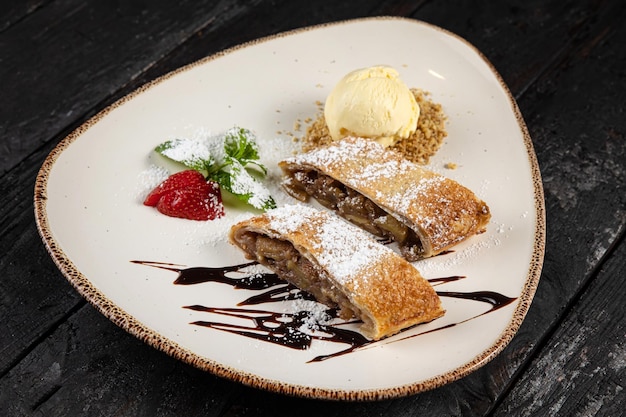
column 187, row 195
column 200, row 202
column 176, row 181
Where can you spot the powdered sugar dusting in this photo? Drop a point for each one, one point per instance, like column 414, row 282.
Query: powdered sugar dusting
column 276, row 149
column 416, row 192
column 376, row 171
column 243, row 183
column 200, row 145
column 347, row 250
column 189, row 150
column 316, row 314
column 436, row 266
column 344, row 250
column 380, row 164
column 342, row 152
column 148, row 179
column 289, row 218
column 213, row 232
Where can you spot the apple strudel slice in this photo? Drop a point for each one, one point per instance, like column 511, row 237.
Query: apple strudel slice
column 387, row 195
column 341, row 266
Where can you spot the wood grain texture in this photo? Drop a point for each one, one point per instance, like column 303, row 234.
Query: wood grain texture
column 581, row 370
column 584, row 171
column 67, row 58
column 33, row 296
column 521, row 39
column 564, row 61
column 12, row 12
column 96, row 369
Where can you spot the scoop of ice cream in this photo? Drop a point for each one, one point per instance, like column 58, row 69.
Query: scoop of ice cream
column 372, row 103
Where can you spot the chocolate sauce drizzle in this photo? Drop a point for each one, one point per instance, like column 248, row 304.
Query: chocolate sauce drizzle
column 283, row 328
column 296, row 330
column 277, row 289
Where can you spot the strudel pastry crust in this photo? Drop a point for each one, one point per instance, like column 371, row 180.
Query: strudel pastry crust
column 391, row 197
column 341, row 266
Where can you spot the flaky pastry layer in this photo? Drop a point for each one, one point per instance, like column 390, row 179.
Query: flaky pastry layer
column 436, row 212
column 341, row 266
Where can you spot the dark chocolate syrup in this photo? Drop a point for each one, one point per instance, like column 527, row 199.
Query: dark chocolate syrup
column 444, row 280
column 292, row 330
column 198, row 275
column 296, row 330
column 277, row 289
column 495, row 299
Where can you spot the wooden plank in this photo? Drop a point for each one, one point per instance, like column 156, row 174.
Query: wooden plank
column 584, row 167
column 65, row 59
column 521, row 39
column 554, row 25
column 11, row 12
column 268, row 18
column 581, row 370
column 33, row 295
column 91, row 367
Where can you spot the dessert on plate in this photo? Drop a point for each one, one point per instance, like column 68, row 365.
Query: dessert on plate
column 387, row 195
column 341, row 266
column 360, row 175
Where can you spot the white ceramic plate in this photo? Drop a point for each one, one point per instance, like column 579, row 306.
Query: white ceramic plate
column 89, row 212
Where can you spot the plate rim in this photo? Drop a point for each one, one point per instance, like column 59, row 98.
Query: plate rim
column 126, row 321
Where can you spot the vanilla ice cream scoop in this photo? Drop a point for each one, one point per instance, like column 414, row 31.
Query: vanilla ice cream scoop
column 372, row 103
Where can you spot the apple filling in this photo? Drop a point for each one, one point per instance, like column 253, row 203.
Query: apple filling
column 289, row 264
column 355, row 208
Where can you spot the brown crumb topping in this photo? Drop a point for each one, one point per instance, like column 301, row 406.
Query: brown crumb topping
column 418, row 148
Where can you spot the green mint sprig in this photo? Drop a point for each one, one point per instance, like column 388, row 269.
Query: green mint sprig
column 225, row 159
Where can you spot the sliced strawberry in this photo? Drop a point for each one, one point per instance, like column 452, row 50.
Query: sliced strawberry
column 175, row 181
column 196, row 202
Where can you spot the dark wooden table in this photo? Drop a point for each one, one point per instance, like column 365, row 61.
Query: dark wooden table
column 565, row 62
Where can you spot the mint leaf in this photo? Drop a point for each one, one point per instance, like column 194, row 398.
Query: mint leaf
column 240, row 144
column 191, row 153
column 235, row 179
